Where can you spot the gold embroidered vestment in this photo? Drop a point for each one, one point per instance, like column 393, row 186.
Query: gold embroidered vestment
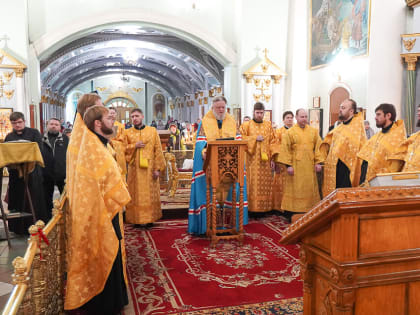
column 379, row 149
column 300, row 149
column 119, row 146
column 279, row 178
column 409, row 152
column 259, row 177
column 343, row 143
column 96, row 193
column 144, row 190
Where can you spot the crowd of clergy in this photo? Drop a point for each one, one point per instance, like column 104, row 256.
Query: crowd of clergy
column 111, row 169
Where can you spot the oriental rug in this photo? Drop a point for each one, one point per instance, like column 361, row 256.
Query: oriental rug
column 173, row 272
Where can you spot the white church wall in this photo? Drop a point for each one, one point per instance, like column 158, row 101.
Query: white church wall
column 385, row 64
column 263, row 24
column 373, row 79
column 297, row 57
column 13, row 24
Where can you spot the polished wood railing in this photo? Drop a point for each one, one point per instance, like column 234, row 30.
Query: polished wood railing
column 39, row 277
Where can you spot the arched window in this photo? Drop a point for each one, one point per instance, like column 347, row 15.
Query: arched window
column 123, row 107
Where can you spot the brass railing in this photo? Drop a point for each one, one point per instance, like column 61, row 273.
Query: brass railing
column 38, row 277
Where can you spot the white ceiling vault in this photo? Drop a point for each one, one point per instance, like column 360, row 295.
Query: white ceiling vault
column 163, row 59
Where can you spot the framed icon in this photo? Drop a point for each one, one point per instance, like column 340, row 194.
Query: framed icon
column 316, row 102
column 237, row 116
column 5, row 125
column 316, row 119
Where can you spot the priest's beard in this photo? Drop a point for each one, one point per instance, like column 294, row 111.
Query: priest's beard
column 219, row 116
column 418, row 123
column 53, row 132
column 107, row 131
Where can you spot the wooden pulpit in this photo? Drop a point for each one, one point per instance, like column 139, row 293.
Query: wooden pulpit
column 360, row 252
column 224, row 167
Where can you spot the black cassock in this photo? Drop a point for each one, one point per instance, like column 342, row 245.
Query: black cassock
column 342, row 179
column 114, row 295
column 35, row 185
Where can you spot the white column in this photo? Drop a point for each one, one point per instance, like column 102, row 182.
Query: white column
column 231, row 86
column 20, row 92
column 277, row 99
column 248, row 97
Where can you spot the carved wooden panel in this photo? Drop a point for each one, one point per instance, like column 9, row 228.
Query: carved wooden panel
column 322, row 297
column 384, row 300
column 228, row 160
column 387, row 234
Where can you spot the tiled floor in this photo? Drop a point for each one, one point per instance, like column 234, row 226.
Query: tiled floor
column 19, row 244
column 6, row 268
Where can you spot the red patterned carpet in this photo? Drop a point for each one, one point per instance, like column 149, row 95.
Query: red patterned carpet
column 171, row 271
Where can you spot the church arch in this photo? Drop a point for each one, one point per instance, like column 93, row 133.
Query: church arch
column 218, row 48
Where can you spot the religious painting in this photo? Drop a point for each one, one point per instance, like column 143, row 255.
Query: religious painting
column 338, row 27
column 315, row 119
column 5, row 125
column 316, row 102
column 159, row 105
column 268, row 115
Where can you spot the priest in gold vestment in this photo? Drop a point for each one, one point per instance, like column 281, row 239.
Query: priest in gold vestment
column 378, row 152
column 261, row 141
column 409, row 151
column 280, row 170
column 117, row 141
column 145, row 162
column 96, row 280
column 340, row 147
column 300, row 153
column 216, row 124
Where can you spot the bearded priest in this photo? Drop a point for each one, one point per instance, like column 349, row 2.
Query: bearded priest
column 214, row 125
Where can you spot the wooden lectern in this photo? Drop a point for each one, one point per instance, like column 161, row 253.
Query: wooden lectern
column 224, row 167
column 360, row 252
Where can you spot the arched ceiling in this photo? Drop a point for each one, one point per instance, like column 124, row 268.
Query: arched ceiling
column 165, row 60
